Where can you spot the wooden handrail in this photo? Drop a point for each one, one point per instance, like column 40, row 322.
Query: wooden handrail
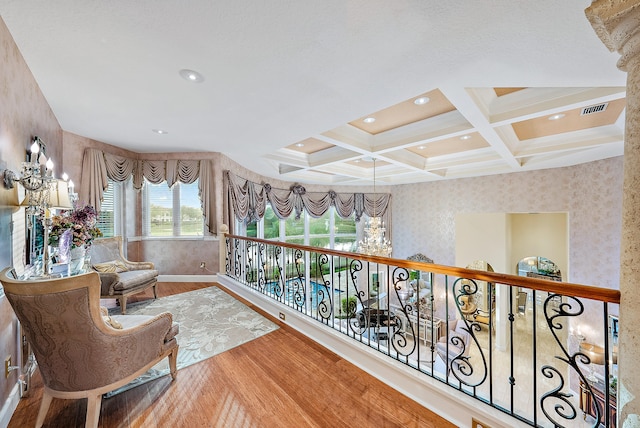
column 563, row 288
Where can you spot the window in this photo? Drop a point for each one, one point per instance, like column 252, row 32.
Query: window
column 109, row 217
column 328, row 231
column 174, row 211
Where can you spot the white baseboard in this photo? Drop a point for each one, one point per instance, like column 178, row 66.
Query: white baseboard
column 453, row 405
column 187, row 278
column 9, row 406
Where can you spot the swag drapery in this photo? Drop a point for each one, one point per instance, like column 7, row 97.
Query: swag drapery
column 98, row 167
column 248, row 201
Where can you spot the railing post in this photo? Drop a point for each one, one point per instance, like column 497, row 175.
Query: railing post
column 222, row 248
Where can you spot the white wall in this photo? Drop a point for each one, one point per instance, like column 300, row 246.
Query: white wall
column 543, row 235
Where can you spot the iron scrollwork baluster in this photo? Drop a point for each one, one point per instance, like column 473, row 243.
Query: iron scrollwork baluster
column 249, row 274
column 262, row 272
column 237, row 262
column 399, row 338
column 565, row 309
column 460, row 364
column 279, row 284
column 298, row 282
column 323, row 294
column 360, row 323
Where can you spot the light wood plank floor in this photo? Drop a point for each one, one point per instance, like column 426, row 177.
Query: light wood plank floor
column 281, row 379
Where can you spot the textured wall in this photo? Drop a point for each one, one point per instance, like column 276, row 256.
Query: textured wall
column 424, row 219
column 24, row 112
column 424, row 214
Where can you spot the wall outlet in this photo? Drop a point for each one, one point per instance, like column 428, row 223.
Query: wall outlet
column 477, row 424
column 281, row 315
column 7, row 366
column 203, row 265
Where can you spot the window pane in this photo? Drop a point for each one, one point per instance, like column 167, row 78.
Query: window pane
column 319, row 230
column 271, row 224
column 294, row 230
column 345, row 233
column 106, row 216
column 160, row 199
column 252, row 229
column 191, row 217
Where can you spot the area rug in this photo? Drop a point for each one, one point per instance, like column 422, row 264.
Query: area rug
column 211, row 322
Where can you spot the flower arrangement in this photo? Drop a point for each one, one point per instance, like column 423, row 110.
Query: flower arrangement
column 81, row 222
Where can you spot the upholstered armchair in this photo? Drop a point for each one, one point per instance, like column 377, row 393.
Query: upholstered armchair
column 120, row 277
column 79, row 353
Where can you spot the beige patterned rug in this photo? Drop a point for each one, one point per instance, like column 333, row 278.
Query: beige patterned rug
column 211, row 322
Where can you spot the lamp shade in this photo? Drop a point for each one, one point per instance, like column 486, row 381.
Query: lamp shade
column 58, row 196
column 594, row 352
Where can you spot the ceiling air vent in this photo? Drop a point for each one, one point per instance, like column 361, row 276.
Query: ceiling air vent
column 594, row 109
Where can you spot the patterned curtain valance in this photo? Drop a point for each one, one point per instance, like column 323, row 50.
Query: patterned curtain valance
column 248, row 201
column 98, row 166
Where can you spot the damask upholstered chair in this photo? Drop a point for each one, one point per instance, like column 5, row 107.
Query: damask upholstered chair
column 453, row 347
column 79, row 352
column 120, row 277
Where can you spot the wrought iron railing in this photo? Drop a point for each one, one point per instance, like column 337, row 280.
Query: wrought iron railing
column 538, row 350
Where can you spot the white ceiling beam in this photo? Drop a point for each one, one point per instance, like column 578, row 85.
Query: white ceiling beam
column 474, row 114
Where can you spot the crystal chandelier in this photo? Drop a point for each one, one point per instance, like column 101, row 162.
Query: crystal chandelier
column 374, row 242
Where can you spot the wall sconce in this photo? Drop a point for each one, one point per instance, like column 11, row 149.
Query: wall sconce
column 43, row 191
column 33, row 175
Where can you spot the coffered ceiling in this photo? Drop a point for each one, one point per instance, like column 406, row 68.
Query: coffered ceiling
column 317, row 92
column 427, row 138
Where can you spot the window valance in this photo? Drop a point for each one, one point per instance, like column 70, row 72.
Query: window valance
column 248, row 201
column 98, row 167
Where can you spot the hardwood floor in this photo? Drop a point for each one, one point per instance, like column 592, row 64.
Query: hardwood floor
column 281, row 379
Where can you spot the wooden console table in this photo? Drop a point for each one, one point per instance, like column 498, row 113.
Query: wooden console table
column 587, row 405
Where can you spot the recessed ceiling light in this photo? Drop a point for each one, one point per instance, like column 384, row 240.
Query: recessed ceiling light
column 191, row 76
column 299, row 145
column 465, row 137
column 369, row 119
column 159, row 131
column 420, row 147
column 556, row 116
column 357, row 161
column 421, row 100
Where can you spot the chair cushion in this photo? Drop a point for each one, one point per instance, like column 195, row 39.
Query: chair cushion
column 133, row 278
column 129, row 321
column 111, row 322
column 108, row 320
column 112, row 266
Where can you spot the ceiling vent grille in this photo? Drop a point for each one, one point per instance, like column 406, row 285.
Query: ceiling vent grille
column 594, row 109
